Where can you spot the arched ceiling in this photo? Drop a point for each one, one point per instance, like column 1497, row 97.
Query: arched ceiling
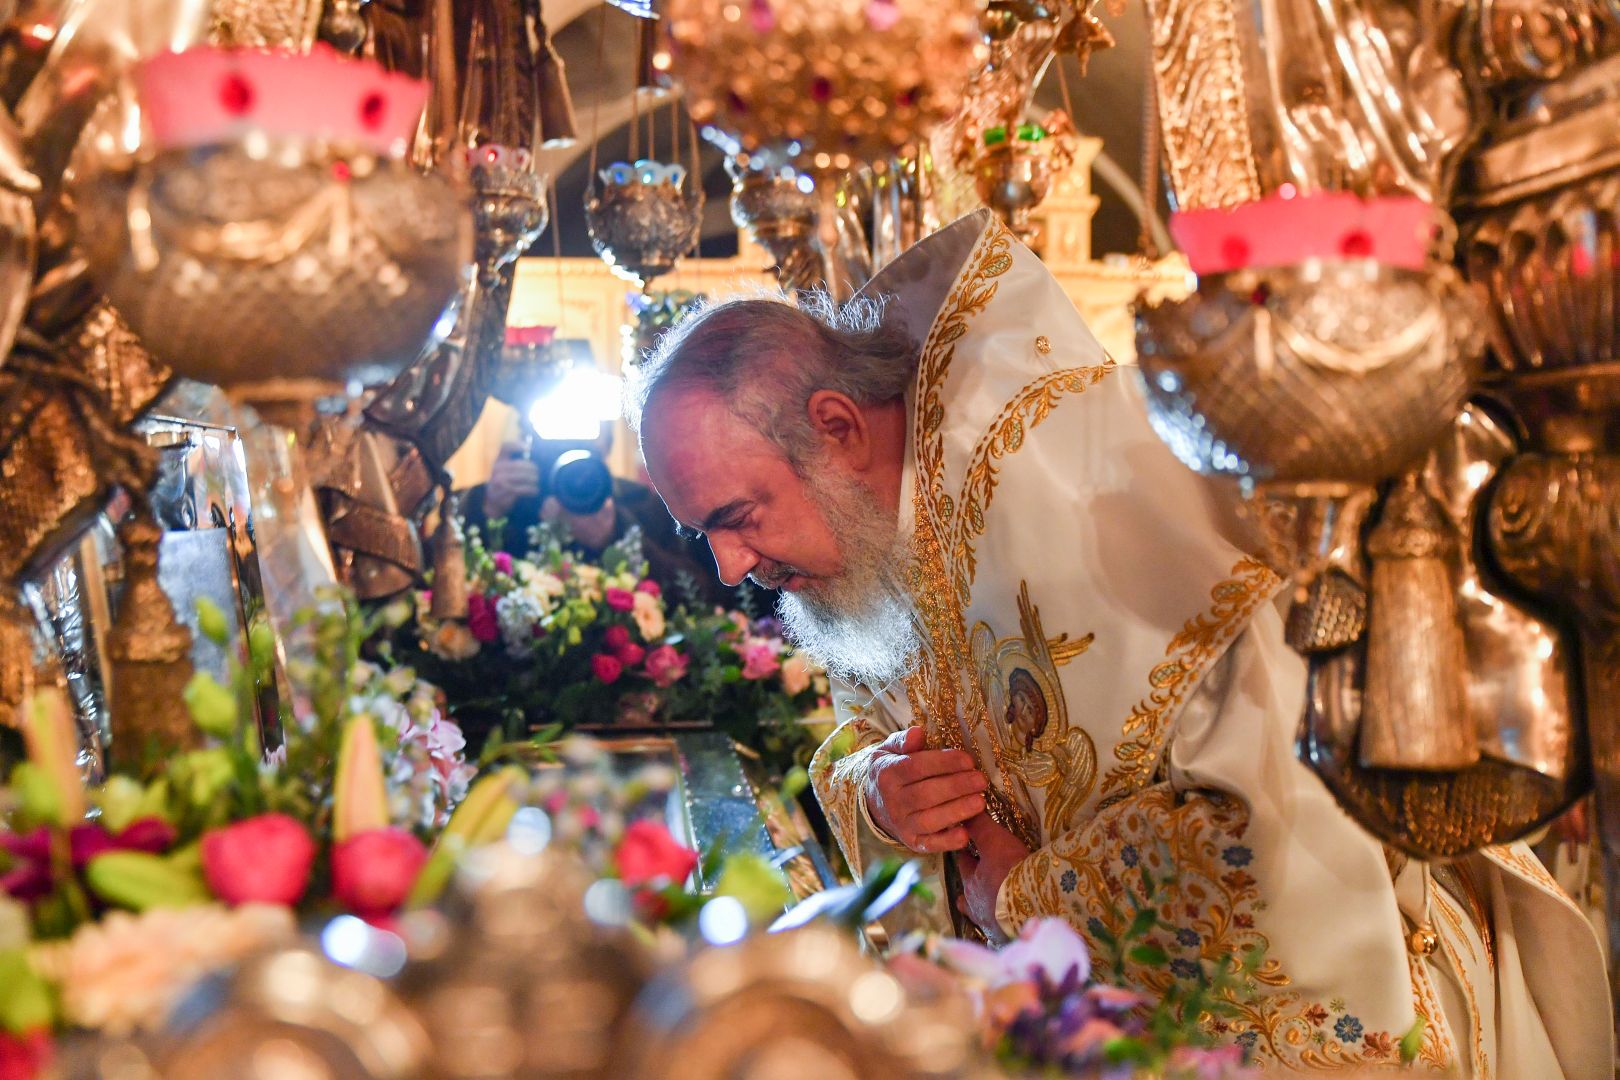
column 598, row 46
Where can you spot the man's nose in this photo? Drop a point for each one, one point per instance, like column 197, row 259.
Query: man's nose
column 733, row 560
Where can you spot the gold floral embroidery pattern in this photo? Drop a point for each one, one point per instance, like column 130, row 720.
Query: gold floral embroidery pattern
column 1208, row 903
column 1482, row 1064
column 1033, row 404
column 1189, row 655
column 837, row 773
column 1436, row 1051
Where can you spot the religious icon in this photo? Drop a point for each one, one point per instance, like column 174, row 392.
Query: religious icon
column 1047, row 767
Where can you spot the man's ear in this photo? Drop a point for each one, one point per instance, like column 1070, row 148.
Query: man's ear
column 842, row 423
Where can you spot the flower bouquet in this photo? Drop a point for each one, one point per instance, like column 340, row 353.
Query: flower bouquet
column 117, row 895
column 555, row 641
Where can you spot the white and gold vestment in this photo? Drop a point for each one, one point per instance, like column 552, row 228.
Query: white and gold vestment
column 1099, row 638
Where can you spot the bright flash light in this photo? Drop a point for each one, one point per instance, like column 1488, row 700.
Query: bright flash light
column 577, row 407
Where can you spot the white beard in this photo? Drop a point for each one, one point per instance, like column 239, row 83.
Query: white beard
column 860, row 625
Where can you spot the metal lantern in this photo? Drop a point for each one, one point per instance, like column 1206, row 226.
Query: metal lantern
column 644, row 217
column 255, row 245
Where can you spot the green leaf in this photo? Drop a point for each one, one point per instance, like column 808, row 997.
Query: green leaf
column 1412, row 1042
column 39, row 799
column 1145, row 921
column 26, row 1003
column 1149, row 954
column 212, row 706
column 794, row 783
column 211, row 621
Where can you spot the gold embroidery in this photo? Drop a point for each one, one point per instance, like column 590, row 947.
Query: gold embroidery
column 1042, row 345
column 1207, row 905
column 1482, row 1064
column 1189, row 655
column 1005, row 435
column 1435, row 1050
column 838, row 775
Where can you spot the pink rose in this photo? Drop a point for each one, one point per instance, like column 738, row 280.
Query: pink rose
column 759, row 659
column 620, row 599
column 617, row 637
column 629, row 655
column 606, row 668
column 263, row 860
column 481, row 619
column 503, row 563
column 665, row 665
column 373, row 871
column 648, row 853
column 649, row 586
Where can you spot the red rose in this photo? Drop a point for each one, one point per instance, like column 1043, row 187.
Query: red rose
column 648, row 585
column 666, row 665
column 24, row 1057
column 481, row 618
column 606, row 668
column 629, row 655
column 373, row 871
column 263, row 860
column 617, row 637
column 648, row 853
column 620, row 599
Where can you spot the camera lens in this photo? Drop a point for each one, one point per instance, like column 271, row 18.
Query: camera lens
column 581, row 482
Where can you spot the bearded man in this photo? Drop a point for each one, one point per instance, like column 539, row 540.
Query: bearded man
column 1066, row 676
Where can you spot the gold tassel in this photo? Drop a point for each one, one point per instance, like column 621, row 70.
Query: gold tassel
column 151, row 659
column 1414, row 708
column 449, row 562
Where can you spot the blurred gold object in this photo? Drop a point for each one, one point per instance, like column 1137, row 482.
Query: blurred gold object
column 808, row 226
column 519, row 981
column 151, row 660
column 292, row 1012
column 1014, row 175
column 449, row 562
column 826, row 84
column 1323, row 95
column 801, row 1003
column 219, row 259
column 1414, row 714
column 16, row 659
column 265, row 24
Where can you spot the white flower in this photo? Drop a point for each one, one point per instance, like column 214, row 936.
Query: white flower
column 126, row 972
column 649, row 615
column 14, row 924
column 518, row 613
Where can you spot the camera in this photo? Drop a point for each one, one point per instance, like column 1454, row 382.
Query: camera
column 579, row 479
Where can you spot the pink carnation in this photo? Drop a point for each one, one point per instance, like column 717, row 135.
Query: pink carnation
column 620, row 599
column 629, row 654
column 617, row 637
column 759, row 659
column 503, row 562
column 481, row 619
column 665, row 665
column 606, row 668
column 648, row 585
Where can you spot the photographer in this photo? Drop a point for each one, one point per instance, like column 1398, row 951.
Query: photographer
column 567, row 482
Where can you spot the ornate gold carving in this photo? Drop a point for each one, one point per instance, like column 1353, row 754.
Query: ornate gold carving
column 1188, row 657
column 265, row 24
column 1202, row 98
column 151, row 660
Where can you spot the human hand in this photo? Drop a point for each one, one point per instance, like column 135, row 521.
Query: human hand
column 513, row 477
column 921, row 797
column 997, row 852
column 596, row 531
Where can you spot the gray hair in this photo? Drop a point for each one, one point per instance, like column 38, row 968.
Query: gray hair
column 766, row 355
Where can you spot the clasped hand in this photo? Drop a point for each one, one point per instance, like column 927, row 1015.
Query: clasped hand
column 933, row 801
